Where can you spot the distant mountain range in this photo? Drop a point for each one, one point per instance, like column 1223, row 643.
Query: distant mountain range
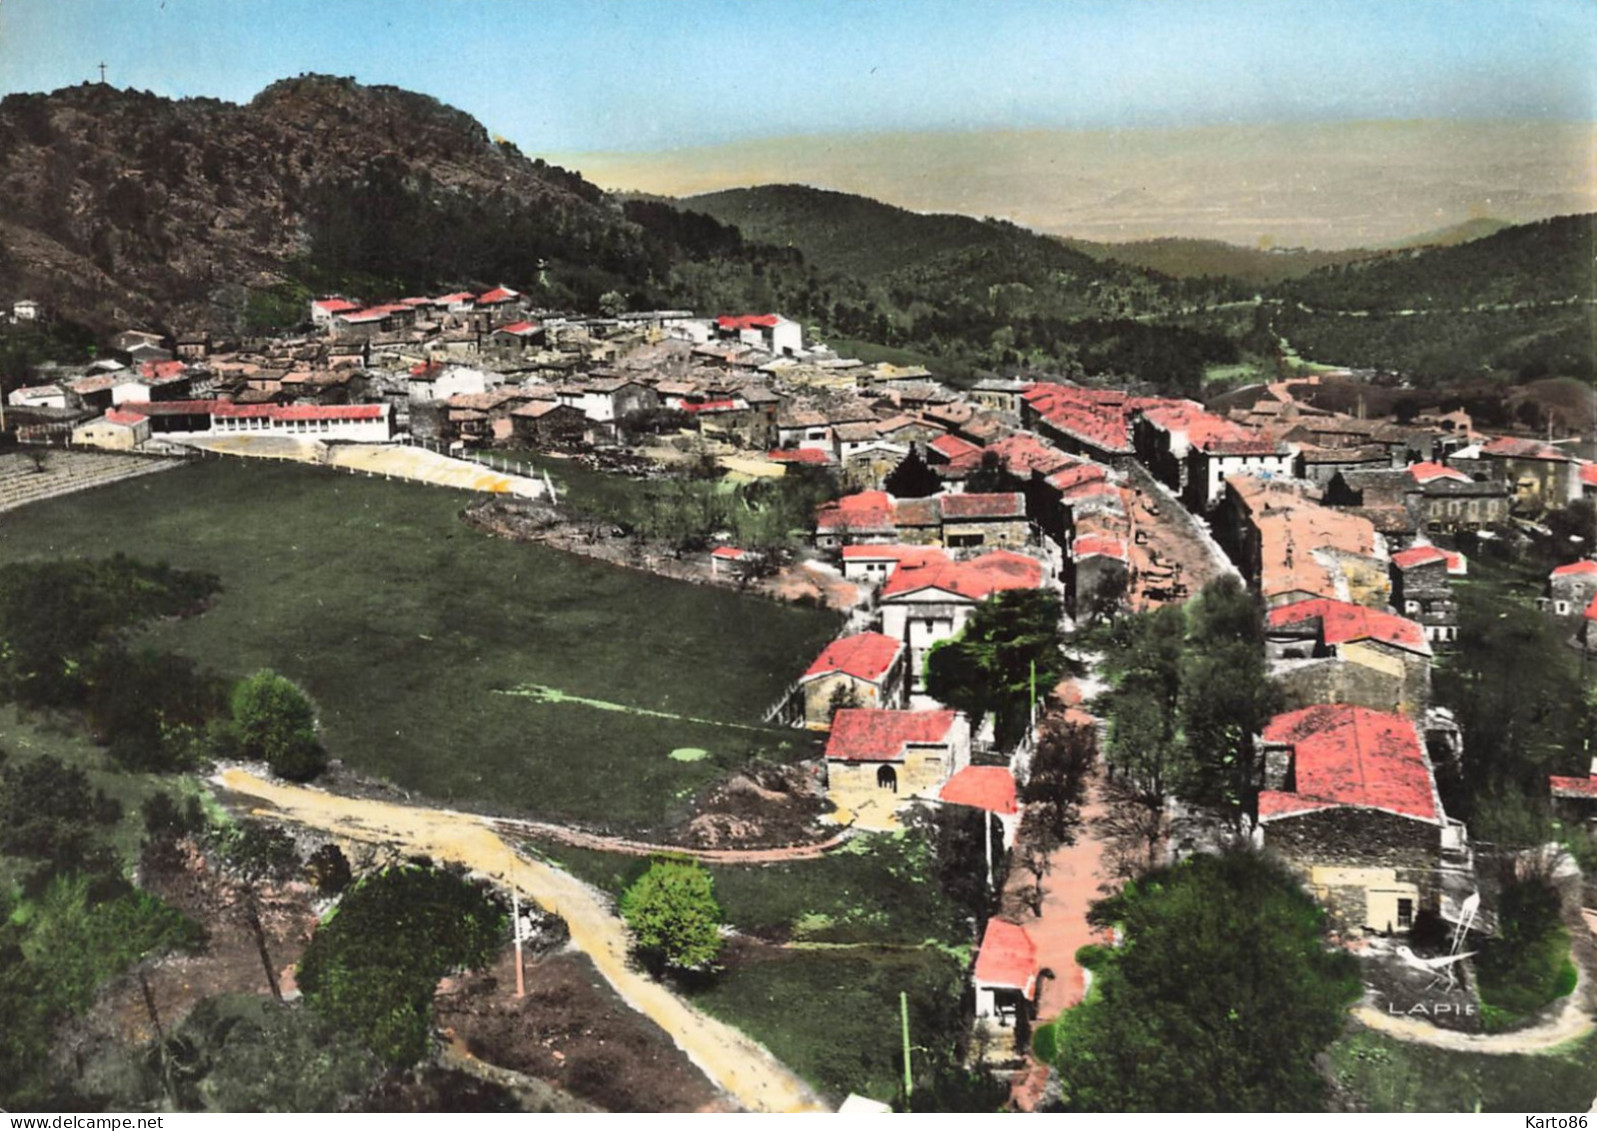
column 1188, row 258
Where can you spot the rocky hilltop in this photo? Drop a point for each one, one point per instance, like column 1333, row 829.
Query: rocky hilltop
column 125, row 208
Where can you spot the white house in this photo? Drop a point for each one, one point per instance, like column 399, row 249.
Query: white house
column 432, row 382
column 769, row 332
column 38, row 396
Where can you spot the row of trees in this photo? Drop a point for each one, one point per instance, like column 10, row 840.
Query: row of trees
column 1192, row 692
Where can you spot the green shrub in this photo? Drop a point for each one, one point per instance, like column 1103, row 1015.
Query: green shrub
column 276, row 724
column 674, row 918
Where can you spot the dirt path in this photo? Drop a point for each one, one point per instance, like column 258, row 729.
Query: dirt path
column 1570, row 1023
column 538, row 830
column 733, row 1062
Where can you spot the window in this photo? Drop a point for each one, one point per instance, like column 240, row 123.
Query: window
column 1561, row 608
column 887, row 778
column 1411, row 607
column 1405, row 914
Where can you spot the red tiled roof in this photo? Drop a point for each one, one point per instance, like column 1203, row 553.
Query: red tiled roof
column 727, row 405
column 1004, row 505
column 867, row 511
column 1007, row 958
column 867, row 656
column 975, row 580
column 1588, row 474
column 955, row 447
column 1591, row 610
column 1418, row 556
column 299, row 411
column 426, row 369
column 866, row 734
column 1575, row 568
column 747, row 321
column 520, row 329
column 496, row 296
column 125, row 416
column 1342, row 623
column 162, row 370
column 1083, row 473
column 1578, row 788
column 458, row 296
column 1099, row 545
column 1354, row 757
column 799, row 455
column 1022, row 453
column 1427, row 471
column 991, row 788
column 913, row 556
column 1511, row 448
column 334, row 305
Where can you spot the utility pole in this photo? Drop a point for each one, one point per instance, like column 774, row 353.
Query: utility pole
column 102, row 74
column 903, row 1013
column 515, row 924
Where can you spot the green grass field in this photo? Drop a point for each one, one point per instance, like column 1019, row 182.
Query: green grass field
column 833, row 1016
column 406, row 626
column 877, row 890
column 1387, row 1075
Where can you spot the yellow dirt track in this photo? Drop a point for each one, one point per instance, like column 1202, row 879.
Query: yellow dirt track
column 740, row 1067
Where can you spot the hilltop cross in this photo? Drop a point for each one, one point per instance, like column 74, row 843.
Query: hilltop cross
column 102, row 74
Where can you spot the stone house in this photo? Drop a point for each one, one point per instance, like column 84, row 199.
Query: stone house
column 1350, row 802
column 120, row 430
column 864, row 670
column 547, row 424
column 1325, row 651
column 983, row 521
column 1422, row 590
column 1570, row 589
column 1447, row 500
column 1537, row 475
column 879, row 762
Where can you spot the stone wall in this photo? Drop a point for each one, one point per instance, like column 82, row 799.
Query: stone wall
column 1349, row 855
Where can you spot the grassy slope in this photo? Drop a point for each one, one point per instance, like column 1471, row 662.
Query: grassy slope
column 1387, row 1075
column 401, row 622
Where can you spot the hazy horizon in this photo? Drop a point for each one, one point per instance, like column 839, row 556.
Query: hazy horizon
column 1328, row 185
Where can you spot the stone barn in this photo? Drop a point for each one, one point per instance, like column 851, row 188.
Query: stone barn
column 879, row 762
column 865, row 670
column 1350, row 802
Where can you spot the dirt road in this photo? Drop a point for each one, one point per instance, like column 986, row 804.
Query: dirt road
column 733, row 1062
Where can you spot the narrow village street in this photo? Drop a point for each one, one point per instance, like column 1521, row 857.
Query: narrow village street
column 1073, row 883
column 753, row 1078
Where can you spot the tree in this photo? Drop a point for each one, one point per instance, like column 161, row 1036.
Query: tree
column 1220, row 999
column 372, row 967
column 912, row 478
column 674, row 918
column 1059, row 767
column 276, row 723
column 1011, row 645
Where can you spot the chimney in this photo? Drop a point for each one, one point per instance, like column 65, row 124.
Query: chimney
column 1277, row 767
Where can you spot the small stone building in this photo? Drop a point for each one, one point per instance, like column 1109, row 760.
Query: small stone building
column 1570, row 589
column 1350, row 802
column 1422, row 591
column 1325, row 651
column 879, row 762
column 865, row 670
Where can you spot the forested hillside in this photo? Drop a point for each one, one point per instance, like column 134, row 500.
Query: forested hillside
column 1517, row 304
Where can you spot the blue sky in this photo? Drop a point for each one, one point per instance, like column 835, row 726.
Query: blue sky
column 572, row 75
